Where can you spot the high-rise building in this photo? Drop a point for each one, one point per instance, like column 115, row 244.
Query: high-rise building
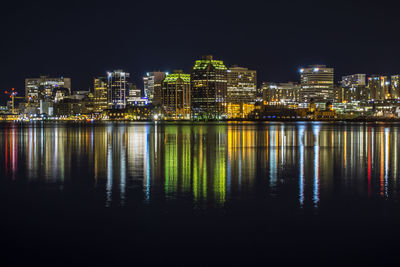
column 152, row 86
column 316, row 83
column 395, row 86
column 209, row 88
column 117, row 85
column 352, row 88
column 378, row 87
column 242, row 85
column 45, row 88
column 100, row 94
column 175, row 96
column 284, row 93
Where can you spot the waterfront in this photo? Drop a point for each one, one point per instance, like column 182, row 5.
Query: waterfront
column 224, row 192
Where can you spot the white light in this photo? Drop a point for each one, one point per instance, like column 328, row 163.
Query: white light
column 301, row 70
column 316, row 69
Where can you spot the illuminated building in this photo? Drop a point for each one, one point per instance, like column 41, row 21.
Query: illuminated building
column 134, row 97
column 100, row 94
column 395, row 86
column 242, row 85
column 130, row 113
column 152, row 86
column 175, row 96
column 316, row 84
column 44, row 88
column 285, row 93
column 117, row 85
column 353, row 88
column 209, row 88
column 378, row 87
column 239, row 111
column 79, row 103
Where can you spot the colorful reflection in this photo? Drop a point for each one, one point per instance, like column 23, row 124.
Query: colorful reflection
column 302, row 163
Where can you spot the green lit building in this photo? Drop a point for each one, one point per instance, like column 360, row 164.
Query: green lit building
column 175, row 96
column 209, row 89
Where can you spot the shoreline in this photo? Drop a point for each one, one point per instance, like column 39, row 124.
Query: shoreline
column 187, row 122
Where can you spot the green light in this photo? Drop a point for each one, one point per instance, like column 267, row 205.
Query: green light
column 202, row 64
column 174, row 77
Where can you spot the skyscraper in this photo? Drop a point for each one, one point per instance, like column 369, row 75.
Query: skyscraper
column 44, row 88
column 152, row 86
column 117, row 89
column 175, row 97
column 242, row 85
column 209, row 88
column 316, row 83
column 100, row 94
column 378, row 87
column 395, row 86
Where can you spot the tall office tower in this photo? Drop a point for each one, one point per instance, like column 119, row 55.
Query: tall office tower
column 284, row 93
column 175, row 96
column 45, row 88
column 117, row 85
column 209, row 88
column 395, row 86
column 353, row 88
column 100, row 94
column 242, row 85
column 152, row 86
column 316, row 84
column 378, row 87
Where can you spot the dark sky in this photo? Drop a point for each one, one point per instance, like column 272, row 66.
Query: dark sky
column 83, row 39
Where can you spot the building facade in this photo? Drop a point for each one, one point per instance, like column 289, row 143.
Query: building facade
column 44, row 88
column 378, row 87
column 117, row 89
column 316, row 84
column 175, row 96
column 284, row 93
column 352, row 88
column 152, row 86
column 395, row 86
column 209, row 89
column 100, row 85
column 135, row 97
column 242, row 85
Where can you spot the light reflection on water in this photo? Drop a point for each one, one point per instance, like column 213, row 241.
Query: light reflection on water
column 301, row 163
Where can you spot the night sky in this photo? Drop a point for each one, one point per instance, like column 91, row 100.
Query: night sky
column 85, row 39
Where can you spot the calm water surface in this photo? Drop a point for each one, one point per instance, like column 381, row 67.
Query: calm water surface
column 200, row 194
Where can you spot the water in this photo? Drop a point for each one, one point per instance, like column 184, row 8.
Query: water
column 279, row 193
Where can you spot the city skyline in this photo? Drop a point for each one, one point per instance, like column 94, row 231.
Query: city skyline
column 139, row 79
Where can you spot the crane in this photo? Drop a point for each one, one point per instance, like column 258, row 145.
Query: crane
column 13, row 94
